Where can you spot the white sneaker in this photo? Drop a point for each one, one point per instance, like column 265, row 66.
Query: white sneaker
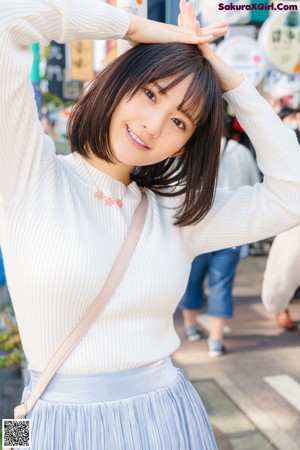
column 216, row 353
column 192, row 333
column 215, row 348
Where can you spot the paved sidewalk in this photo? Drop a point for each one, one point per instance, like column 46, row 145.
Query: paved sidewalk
column 248, row 411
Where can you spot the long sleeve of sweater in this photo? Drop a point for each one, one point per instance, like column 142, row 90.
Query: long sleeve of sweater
column 22, row 158
column 253, row 213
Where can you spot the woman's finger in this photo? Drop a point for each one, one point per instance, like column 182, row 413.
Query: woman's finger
column 180, row 21
column 191, row 16
column 185, row 21
column 218, row 29
column 197, row 28
column 214, row 31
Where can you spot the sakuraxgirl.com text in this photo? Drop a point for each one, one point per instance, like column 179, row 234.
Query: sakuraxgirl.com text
column 257, row 6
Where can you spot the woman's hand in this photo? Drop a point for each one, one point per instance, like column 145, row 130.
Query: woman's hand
column 228, row 78
column 148, row 31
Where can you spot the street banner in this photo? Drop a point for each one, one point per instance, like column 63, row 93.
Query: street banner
column 81, row 60
column 55, row 68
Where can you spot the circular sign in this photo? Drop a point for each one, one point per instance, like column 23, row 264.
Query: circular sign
column 280, row 38
column 245, row 56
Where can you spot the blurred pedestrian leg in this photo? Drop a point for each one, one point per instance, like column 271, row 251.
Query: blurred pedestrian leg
column 282, row 276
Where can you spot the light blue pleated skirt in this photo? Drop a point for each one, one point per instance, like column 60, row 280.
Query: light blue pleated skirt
column 153, row 407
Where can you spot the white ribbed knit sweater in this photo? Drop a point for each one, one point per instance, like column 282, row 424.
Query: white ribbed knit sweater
column 59, row 243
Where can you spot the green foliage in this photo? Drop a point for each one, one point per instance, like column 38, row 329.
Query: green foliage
column 10, row 341
column 51, row 99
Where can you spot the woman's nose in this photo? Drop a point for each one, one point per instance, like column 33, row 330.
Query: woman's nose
column 153, row 125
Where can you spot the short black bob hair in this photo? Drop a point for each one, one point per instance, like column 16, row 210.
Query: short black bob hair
column 194, row 171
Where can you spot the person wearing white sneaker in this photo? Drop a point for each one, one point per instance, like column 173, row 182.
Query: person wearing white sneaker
column 216, row 347
column 237, row 168
column 192, row 333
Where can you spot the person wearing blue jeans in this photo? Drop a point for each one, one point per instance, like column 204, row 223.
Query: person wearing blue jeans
column 220, row 267
column 237, row 168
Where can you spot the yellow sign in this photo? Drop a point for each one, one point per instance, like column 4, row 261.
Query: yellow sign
column 81, row 66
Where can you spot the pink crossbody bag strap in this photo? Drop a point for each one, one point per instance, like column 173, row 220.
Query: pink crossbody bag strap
column 92, row 313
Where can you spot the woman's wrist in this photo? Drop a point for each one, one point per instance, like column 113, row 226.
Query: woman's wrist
column 131, row 27
column 229, row 79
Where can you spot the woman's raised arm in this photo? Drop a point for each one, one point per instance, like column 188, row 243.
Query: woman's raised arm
column 266, row 209
column 228, row 78
column 250, row 213
column 24, row 150
column 22, row 159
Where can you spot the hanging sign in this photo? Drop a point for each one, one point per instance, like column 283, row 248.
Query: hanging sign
column 280, row 40
column 245, row 56
column 55, row 68
column 81, row 60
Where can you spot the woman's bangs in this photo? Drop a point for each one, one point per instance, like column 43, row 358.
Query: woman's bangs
column 158, row 73
column 194, row 101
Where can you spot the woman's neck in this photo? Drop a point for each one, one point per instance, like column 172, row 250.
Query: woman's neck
column 119, row 171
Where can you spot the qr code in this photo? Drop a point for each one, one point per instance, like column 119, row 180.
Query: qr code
column 16, row 433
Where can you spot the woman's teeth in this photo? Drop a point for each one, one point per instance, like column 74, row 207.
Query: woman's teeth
column 138, row 140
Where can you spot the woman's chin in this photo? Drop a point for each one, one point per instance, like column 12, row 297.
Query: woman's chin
column 132, row 161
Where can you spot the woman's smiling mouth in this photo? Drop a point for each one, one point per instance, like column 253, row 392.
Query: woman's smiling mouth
column 136, row 140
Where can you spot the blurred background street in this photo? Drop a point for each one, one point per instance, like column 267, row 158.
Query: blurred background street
column 252, row 393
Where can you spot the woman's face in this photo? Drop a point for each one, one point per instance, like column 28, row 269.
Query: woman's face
column 148, row 128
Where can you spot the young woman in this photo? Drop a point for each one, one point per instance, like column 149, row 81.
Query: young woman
column 151, row 120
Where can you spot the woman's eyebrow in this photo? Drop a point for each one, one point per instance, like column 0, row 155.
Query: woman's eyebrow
column 189, row 117
column 162, row 91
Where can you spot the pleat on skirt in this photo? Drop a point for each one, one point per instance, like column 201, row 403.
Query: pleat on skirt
column 153, row 407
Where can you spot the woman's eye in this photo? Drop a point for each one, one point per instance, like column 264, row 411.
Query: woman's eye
column 179, row 124
column 150, row 94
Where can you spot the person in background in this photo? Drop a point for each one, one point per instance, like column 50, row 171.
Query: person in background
column 237, row 168
column 291, row 118
column 282, row 275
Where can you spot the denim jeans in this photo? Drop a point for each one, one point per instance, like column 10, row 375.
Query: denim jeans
column 220, row 267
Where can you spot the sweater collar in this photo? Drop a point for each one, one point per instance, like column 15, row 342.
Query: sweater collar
column 106, row 183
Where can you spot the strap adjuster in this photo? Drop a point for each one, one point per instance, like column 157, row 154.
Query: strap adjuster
column 23, row 415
